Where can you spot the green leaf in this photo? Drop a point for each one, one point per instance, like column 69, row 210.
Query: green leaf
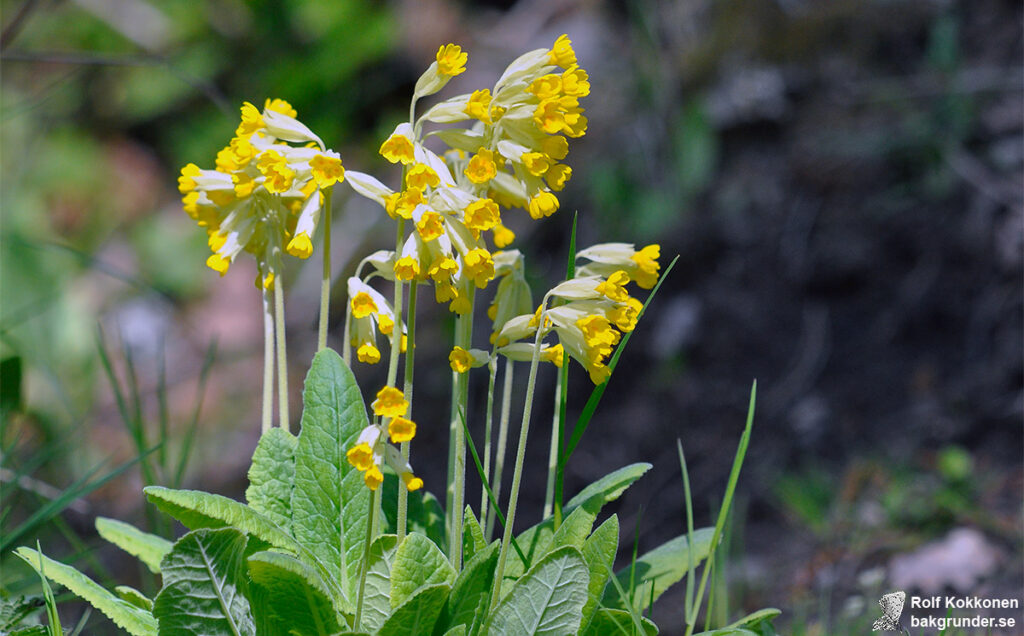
column 203, row 577
column 728, row 631
column 610, row 622
column 125, row 615
column 458, row 630
column 599, row 552
column 472, row 589
column 377, row 595
column 424, row 513
column 272, row 477
column 198, row 510
column 575, row 529
column 610, row 487
column 148, row 548
column 135, row 597
column 15, row 609
column 10, row 384
column 31, row 630
column 659, row 569
column 760, row 621
column 473, row 535
column 330, row 501
column 418, row 563
column 547, row 600
column 290, row 597
column 418, row 615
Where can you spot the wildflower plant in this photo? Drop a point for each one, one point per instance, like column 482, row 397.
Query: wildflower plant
column 338, row 533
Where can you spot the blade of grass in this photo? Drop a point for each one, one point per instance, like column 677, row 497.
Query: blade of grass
column 86, row 615
column 186, row 447
column 79, row 488
column 632, row 560
column 691, row 566
column 53, row 626
column 164, row 418
column 730, row 490
column 628, row 604
column 595, row 396
column 563, row 393
column 490, row 494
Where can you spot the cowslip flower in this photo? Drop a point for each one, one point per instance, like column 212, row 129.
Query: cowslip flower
column 606, row 258
column 372, row 451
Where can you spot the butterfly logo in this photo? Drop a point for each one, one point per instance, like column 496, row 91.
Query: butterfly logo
column 892, row 608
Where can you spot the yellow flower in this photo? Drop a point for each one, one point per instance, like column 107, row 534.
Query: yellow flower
column 279, row 176
column 478, row 106
column 460, row 360
column 481, row 167
column 280, row 106
column 557, row 175
column 542, row 204
column 401, row 430
column 545, row 86
column 536, row 163
column 478, row 266
column 360, row 456
column 300, row 245
column 647, row 264
column 412, row 483
column 575, row 82
column 430, row 226
column 482, row 215
column 373, row 478
column 615, row 287
column 252, row 121
column 363, row 305
column 451, row 61
column 403, row 203
column 503, row 236
column 407, row 268
column 561, row 52
column 390, row 402
column 421, row 176
column 368, row 353
column 186, row 182
column 553, row 354
column 327, row 170
column 399, row 147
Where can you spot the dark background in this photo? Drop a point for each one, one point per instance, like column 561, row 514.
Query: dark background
column 840, row 180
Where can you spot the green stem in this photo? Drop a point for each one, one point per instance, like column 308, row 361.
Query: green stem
column 410, row 351
column 396, row 332
column 549, row 491
column 282, row 356
column 492, row 372
column 563, row 383
column 499, row 459
column 370, row 521
column 463, row 338
column 346, row 346
column 325, row 281
column 268, row 363
column 517, row 472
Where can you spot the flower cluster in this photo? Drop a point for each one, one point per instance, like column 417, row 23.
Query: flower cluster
column 265, row 194
column 597, row 309
column 509, row 157
column 370, row 313
column 371, row 449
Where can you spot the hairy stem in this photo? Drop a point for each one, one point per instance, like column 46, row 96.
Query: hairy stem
column 492, row 371
column 268, row 363
column 325, row 281
column 410, row 351
column 282, row 357
column 499, row 459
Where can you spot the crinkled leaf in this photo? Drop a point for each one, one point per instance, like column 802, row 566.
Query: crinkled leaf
column 272, row 477
column 418, row 564
column 424, row 513
column 547, row 599
column 135, row 597
column 473, row 536
column 203, row 576
column 148, row 548
column 125, row 615
column 330, row 502
column 289, row 597
column 599, row 552
column 612, row 622
column 418, row 615
column 472, row 589
column 659, row 569
column 377, row 595
column 14, row 609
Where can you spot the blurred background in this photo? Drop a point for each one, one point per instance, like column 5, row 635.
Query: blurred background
column 842, row 182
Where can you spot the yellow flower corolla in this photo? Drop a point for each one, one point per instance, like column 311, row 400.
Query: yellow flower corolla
column 479, row 106
column 562, row 53
column 421, row 176
column 280, row 106
column 186, row 182
column 460, row 360
column 402, row 204
column 560, row 115
column 442, row 270
column 390, row 402
column 430, row 226
column 360, row 456
column 555, row 146
column 478, row 266
column 407, row 268
column 451, row 60
column 625, row 316
column 363, row 305
column 300, row 245
column 326, row 170
column 536, row 163
column 542, row 204
column 252, row 121
column 614, row 287
column 546, row 86
column 553, row 354
column 482, row 215
column 368, row 353
column 503, row 236
column 557, row 175
column 279, row 176
column 401, row 430
column 412, row 482
column 244, row 184
column 398, row 148
column 218, row 263
column 481, row 167
column 373, row 478
column 647, row 265
column 597, row 331
column 575, row 82
column 385, row 324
